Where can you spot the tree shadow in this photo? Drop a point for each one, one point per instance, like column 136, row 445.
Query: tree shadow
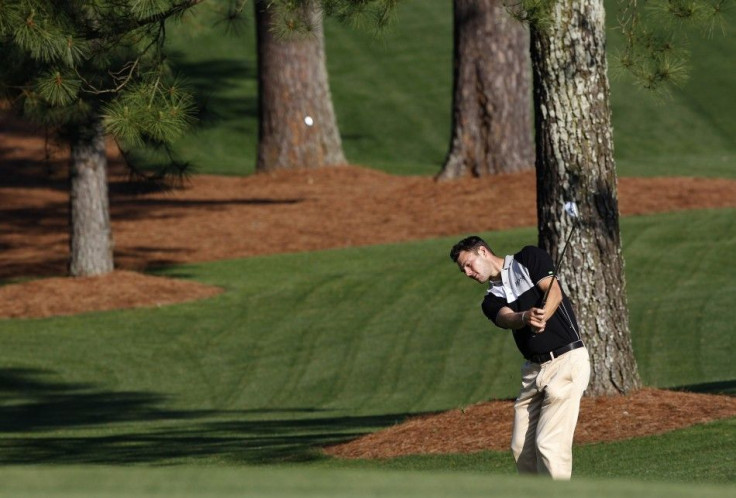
column 49, row 221
column 24, row 160
column 211, row 82
column 720, row 387
column 45, row 421
column 29, row 225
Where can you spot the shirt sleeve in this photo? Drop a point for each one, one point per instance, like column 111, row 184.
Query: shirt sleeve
column 537, row 261
column 491, row 306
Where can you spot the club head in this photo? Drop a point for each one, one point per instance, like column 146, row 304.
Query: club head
column 571, row 208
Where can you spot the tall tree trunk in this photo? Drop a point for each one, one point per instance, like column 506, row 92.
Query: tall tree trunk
column 491, row 118
column 575, row 163
column 90, row 237
column 297, row 123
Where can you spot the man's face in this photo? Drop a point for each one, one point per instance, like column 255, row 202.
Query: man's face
column 476, row 264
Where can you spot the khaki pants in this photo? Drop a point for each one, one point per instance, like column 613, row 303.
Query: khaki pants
column 546, row 413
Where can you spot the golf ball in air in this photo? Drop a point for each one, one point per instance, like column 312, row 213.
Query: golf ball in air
column 308, row 121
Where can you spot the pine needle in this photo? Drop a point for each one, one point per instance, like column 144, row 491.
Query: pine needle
column 58, row 89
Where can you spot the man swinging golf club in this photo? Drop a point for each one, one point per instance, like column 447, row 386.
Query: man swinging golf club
column 524, row 295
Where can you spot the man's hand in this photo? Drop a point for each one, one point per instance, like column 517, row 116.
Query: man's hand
column 535, row 318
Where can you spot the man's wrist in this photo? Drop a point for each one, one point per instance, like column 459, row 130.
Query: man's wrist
column 523, row 318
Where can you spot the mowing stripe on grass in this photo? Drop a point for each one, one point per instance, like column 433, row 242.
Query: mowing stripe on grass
column 307, row 349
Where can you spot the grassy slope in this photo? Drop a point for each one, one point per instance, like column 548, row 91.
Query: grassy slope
column 304, row 349
column 679, row 278
column 393, row 96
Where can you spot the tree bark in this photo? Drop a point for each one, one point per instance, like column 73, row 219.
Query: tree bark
column 297, row 123
column 491, row 118
column 574, row 162
column 90, row 237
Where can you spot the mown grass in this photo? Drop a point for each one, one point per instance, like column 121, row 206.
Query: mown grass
column 301, row 482
column 236, row 393
column 393, row 96
column 304, row 350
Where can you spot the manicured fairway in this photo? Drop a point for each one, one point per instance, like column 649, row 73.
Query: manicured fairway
column 234, row 395
column 298, row 482
column 307, row 349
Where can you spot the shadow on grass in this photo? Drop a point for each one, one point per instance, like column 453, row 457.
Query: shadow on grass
column 721, row 387
column 215, row 85
column 39, row 224
column 44, row 421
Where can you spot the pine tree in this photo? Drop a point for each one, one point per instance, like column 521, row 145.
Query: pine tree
column 492, row 122
column 574, row 150
column 87, row 69
column 297, row 126
column 574, row 162
column 297, row 123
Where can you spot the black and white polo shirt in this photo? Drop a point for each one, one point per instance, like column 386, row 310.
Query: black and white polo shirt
column 518, row 290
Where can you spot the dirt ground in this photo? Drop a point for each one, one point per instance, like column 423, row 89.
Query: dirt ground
column 211, row 218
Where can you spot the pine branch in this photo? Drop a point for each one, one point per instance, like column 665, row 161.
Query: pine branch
column 175, row 10
column 124, row 76
column 656, row 35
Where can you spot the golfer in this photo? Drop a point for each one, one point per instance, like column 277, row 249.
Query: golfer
column 557, row 367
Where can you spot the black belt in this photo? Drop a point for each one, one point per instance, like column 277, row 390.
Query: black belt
column 545, row 357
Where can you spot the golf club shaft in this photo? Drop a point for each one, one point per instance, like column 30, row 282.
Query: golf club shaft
column 557, row 266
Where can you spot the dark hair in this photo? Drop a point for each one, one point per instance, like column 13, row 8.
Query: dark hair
column 471, row 243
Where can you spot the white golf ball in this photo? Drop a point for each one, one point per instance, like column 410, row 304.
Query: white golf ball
column 308, row 121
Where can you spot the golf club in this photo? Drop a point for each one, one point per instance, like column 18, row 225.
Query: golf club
column 571, row 209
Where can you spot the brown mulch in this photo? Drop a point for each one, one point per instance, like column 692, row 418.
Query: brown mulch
column 213, row 218
column 487, row 426
column 67, row 296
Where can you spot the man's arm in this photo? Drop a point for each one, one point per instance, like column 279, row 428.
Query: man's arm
column 554, row 298
column 510, row 319
column 536, row 318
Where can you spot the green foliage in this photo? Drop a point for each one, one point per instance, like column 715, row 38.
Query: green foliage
column 144, row 9
column 360, row 13
column 295, row 18
column 656, row 35
column 58, row 89
column 64, row 61
column 150, row 111
column 535, row 12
